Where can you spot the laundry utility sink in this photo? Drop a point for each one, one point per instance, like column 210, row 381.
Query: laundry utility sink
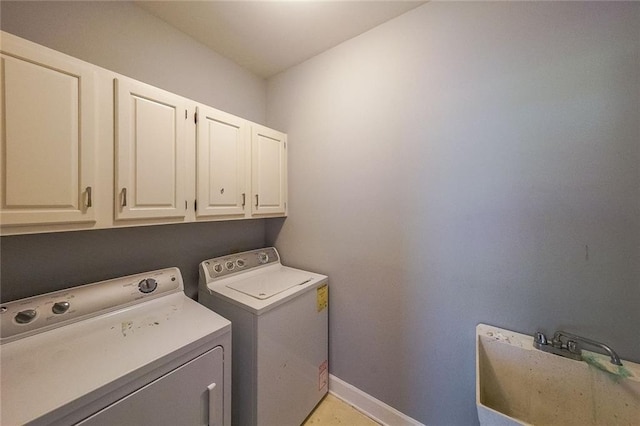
column 517, row 384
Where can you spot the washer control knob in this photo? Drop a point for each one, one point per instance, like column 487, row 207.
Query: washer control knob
column 60, row 307
column 217, row 267
column 229, row 265
column 147, row 285
column 263, row 257
column 240, row 263
column 26, row 316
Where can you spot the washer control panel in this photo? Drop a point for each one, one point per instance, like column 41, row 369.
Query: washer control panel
column 24, row 317
column 220, row 267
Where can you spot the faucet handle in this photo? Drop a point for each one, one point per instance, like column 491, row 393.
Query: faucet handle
column 573, row 347
column 540, row 338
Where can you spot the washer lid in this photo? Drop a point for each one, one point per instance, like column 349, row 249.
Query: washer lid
column 266, row 285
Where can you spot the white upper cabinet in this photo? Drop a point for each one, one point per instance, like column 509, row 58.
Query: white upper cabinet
column 150, row 152
column 47, row 163
column 86, row 148
column 223, row 142
column 268, row 172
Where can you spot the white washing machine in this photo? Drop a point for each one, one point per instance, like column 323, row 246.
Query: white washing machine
column 279, row 317
column 129, row 351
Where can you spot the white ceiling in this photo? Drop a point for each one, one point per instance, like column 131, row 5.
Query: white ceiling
column 267, row 37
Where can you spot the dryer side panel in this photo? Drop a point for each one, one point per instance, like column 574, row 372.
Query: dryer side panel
column 243, row 329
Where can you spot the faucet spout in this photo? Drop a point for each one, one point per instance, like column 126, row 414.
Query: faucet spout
column 615, row 359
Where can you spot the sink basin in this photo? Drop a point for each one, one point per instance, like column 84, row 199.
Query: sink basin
column 517, row 384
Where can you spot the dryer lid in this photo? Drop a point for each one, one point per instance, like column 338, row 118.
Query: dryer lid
column 268, row 284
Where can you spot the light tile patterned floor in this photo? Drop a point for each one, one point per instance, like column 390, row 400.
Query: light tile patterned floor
column 333, row 411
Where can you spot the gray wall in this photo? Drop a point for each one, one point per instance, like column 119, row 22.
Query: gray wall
column 454, row 166
column 39, row 263
column 123, row 38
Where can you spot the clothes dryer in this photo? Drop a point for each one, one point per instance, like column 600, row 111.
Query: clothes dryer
column 129, row 351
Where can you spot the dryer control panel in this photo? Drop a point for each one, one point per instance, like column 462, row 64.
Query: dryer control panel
column 25, row 317
column 224, row 266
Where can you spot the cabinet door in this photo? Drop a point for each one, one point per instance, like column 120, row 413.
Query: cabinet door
column 190, row 395
column 47, row 163
column 150, row 152
column 268, row 172
column 222, row 146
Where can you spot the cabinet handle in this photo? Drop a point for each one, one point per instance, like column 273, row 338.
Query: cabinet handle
column 212, row 404
column 124, row 197
column 89, row 200
column 256, row 201
column 244, row 199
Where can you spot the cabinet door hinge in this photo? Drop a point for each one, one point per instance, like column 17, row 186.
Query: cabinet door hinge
column 185, row 114
column 195, row 118
column 195, row 205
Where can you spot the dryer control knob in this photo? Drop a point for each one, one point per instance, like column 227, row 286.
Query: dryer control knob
column 26, row 316
column 147, row 285
column 263, row 257
column 60, row 307
column 217, row 267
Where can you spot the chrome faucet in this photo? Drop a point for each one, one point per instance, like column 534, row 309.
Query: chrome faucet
column 570, row 347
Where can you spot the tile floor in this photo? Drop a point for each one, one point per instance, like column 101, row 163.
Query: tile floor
column 334, row 411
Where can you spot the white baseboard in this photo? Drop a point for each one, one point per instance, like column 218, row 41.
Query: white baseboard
column 377, row 410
